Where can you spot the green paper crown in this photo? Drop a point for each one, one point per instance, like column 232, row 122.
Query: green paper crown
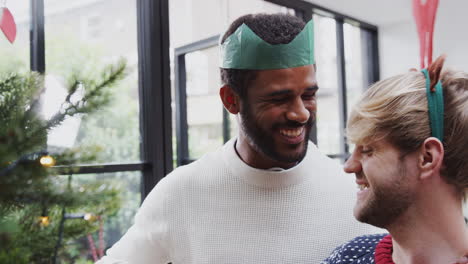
column 245, row 50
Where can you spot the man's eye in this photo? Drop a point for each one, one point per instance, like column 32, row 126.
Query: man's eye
column 278, row 99
column 366, row 150
column 308, row 96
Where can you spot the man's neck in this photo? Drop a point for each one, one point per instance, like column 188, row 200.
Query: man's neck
column 431, row 231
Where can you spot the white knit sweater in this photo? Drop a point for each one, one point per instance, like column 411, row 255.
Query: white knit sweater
column 220, row 210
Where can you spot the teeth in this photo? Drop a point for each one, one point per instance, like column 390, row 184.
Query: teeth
column 291, row 132
column 363, row 186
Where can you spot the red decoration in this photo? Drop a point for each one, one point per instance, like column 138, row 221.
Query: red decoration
column 97, row 253
column 424, row 14
column 101, row 237
column 92, row 247
column 7, row 24
column 383, row 251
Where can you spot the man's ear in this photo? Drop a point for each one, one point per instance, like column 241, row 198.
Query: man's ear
column 230, row 99
column 431, row 157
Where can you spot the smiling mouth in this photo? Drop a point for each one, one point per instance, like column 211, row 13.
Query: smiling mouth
column 363, row 186
column 292, row 133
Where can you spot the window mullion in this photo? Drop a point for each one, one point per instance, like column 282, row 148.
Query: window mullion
column 341, row 69
column 36, row 33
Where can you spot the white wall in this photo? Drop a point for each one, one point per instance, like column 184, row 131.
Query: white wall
column 398, row 42
column 399, row 47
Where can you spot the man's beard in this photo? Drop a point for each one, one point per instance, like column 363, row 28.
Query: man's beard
column 388, row 202
column 264, row 142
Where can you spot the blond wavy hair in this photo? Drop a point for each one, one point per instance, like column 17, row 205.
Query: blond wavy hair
column 396, row 109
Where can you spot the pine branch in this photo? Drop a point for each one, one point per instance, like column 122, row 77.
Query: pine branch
column 96, row 94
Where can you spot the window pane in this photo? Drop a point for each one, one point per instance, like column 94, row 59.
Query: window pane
column 233, row 126
column 355, row 73
column 15, row 56
column 328, row 126
column 114, row 226
column 204, row 107
column 85, row 36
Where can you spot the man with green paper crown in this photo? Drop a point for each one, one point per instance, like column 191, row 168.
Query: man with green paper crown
column 268, row 195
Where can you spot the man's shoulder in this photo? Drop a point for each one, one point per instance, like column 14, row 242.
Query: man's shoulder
column 358, row 250
column 210, row 160
column 186, row 180
column 320, row 160
column 197, row 171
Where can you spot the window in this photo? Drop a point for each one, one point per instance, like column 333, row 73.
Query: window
column 84, row 36
column 204, row 111
column 114, row 129
column 328, row 129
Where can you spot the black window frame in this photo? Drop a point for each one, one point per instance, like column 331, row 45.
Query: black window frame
column 180, row 73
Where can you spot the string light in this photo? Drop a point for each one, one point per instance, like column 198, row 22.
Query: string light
column 89, row 217
column 44, row 221
column 47, row 161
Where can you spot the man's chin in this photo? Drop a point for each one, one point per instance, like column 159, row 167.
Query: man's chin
column 357, row 212
column 360, row 213
column 278, row 151
column 371, row 217
column 294, row 155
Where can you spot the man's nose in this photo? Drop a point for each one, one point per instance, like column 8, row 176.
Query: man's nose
column 352, row 165
column 298, row 112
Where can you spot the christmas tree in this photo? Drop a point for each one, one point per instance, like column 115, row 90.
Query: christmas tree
column 42, row 209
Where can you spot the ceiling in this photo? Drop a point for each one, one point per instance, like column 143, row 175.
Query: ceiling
column 384, row 13
column 376, row 12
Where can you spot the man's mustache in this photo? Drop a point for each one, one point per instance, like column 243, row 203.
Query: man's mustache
column 295, row 124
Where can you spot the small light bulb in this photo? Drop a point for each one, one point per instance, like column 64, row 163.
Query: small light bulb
column 44, row 220
column 47, row 161
column 89, row 217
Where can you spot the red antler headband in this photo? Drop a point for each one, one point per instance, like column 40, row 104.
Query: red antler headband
column 424, row 14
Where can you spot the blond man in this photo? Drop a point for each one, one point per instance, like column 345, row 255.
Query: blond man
column 410, row 163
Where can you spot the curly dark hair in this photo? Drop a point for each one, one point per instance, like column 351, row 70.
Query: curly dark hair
column 272, row 28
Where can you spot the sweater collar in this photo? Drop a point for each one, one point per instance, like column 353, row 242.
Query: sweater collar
column 271, row 178
column 384, row 250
